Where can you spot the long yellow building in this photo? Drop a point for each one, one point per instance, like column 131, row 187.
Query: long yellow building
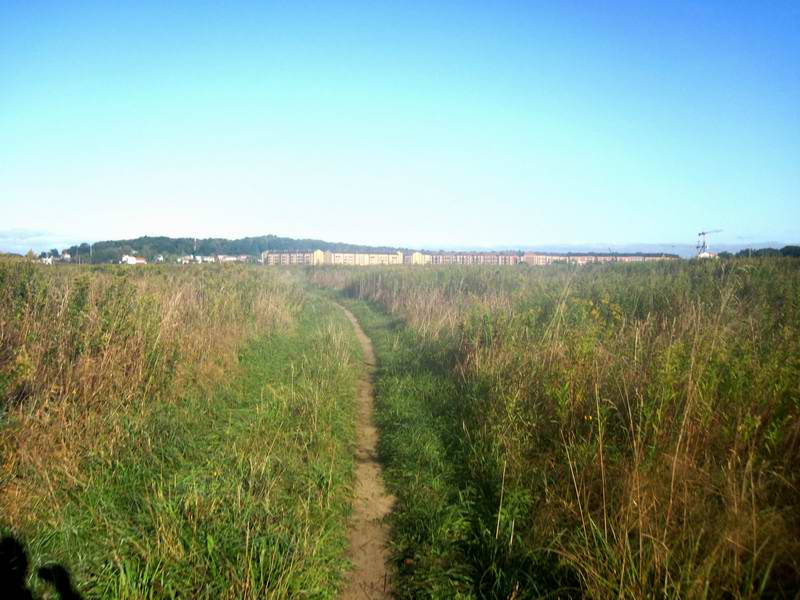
column 325, row 257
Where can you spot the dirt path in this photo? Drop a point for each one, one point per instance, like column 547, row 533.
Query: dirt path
column 370, row 577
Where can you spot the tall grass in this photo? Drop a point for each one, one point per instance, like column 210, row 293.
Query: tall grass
column 637, row 424
column 118, row 334
column 173, row 432
column 77, row 344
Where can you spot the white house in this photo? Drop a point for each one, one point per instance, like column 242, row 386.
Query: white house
column 132, row 260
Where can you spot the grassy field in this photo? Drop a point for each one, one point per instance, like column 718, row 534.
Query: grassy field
column 612, row 431
column 176, row 432
column 619, row 430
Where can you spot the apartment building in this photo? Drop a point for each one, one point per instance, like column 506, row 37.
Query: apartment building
column 474, row 258
column 287, row 258
column 320, row 257
column 417, row 258
column 543, row 258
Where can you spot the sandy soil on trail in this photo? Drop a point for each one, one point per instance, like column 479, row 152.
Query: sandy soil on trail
column 370, row 577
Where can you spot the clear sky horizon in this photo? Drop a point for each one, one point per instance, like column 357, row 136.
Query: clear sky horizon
column 410, row 124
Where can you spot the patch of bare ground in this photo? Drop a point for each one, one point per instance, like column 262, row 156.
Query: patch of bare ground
column 370, row 577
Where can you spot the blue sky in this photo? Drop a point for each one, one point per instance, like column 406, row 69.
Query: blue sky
column 414, row 124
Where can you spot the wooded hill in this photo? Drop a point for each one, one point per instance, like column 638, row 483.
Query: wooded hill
column 150, row 247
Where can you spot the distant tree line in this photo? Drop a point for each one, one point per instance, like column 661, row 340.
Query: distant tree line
column 170, row 248
column 749, row 252
column 150, row 247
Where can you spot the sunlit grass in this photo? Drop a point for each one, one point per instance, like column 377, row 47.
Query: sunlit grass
column 185, row 483
column 619, row 430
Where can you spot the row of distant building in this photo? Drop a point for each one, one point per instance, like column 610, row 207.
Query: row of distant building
column 188, row 259
column 59, row 257
column 132, row 259
column 217, row 258
column 324, row 257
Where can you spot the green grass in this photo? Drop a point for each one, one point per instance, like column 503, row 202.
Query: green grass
column 452, row 525
column 244, row 493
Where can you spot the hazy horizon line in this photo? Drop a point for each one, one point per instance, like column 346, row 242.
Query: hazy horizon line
column 18, row 240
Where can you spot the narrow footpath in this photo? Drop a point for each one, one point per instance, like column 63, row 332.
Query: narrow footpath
column 370, row 577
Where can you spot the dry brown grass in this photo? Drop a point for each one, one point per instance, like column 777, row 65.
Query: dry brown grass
column 81, row 347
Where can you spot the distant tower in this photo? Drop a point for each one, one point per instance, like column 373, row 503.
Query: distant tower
column 702, row 244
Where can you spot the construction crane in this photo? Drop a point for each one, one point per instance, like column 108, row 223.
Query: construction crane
column 702, row 241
